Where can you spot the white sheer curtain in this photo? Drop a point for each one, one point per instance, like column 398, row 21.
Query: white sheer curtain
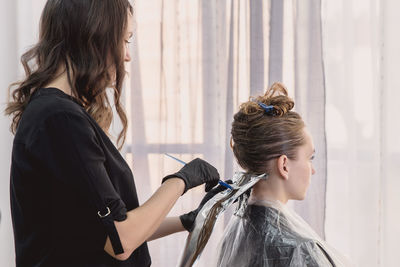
column 361, row 56
column 178, row 100
column 194, row 62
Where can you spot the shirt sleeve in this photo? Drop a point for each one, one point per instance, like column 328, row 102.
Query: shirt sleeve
column 69, row 149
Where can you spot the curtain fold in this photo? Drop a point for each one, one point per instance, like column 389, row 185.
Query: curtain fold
column 257, row 60
column 276, row 41
column 310, row 103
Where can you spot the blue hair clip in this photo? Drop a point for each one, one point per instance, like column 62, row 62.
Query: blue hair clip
column 268, row 109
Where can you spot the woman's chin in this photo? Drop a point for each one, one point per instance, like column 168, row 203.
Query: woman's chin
column 299, row 197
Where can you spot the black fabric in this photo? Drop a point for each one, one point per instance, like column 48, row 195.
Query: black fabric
column 65, row 172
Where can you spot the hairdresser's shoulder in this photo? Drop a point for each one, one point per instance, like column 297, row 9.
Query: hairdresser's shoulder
column 49, row 107
column 48, row 102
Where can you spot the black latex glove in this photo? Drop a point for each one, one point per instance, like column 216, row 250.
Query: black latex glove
column 188, row 219
column 195, row 173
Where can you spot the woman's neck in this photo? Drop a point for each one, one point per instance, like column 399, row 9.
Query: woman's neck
column 270, row 189
column 61, row 82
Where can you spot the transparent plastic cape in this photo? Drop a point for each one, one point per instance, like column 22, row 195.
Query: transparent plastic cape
column 268, row 233
column 209, row 213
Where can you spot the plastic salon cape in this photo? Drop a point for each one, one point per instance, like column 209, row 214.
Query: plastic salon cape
column 271, row 234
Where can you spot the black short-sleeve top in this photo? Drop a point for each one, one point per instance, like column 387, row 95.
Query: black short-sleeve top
column 68, row 185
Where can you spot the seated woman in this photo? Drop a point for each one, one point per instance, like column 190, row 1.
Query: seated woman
column 268, row 137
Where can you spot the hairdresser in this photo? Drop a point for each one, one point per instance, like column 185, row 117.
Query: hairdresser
column 73, row 196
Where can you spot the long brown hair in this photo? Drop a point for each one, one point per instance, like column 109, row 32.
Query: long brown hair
column 86, row 37
column 259, row 136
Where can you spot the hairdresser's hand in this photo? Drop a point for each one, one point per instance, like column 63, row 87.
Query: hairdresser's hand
column 188, row 219
column 195, row 173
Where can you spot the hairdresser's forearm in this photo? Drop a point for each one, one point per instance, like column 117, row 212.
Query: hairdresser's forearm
column 169, row 226
column 143, row 221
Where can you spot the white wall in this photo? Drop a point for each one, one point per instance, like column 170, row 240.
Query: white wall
column 390, row 64
column 8, row 73
column 19, row 22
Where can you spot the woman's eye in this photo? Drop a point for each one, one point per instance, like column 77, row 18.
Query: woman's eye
column 312, row 157
column 129, row 40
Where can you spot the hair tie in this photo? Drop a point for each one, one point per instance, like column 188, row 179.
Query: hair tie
column 269, row 110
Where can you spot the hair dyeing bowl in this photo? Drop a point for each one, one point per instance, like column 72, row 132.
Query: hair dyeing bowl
column 197, row 239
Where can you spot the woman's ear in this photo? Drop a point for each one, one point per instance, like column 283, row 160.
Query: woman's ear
column 282, row 166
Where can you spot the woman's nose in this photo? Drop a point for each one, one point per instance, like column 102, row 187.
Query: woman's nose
column 127, row 55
